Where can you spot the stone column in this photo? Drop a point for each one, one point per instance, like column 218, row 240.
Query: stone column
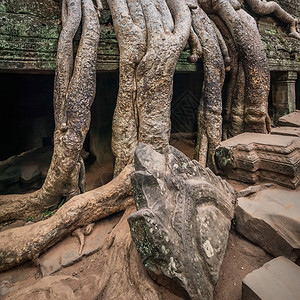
column 284, row 93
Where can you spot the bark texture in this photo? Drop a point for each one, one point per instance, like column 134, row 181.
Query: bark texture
column 151, row 36
column 210, row 109
column 128, row 271
column 265, row 8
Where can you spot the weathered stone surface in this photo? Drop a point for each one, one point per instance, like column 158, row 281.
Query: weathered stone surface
column 255, row 157
column 66, row 252
column 30, row 173
column 286, row 130
column 292, row 119
column 276, row 280
column 58, row 287
column 11, row 175
column 24, row 172
column 29, row 32
column 183, row 219
column 271, row 219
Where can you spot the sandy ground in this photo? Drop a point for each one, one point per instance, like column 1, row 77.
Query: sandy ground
column 242, row 257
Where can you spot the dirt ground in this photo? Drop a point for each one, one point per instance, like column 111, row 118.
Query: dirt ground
column 26, row 282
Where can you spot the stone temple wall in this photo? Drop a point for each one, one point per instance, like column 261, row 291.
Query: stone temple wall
column 29, row 31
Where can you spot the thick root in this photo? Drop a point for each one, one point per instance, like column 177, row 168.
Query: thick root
column 73, row 97
column 129, row 26
column 210, row 109
column 27, row 243
column 123, row 267
column 265, row 8
column 20, row 207
column 118, row 274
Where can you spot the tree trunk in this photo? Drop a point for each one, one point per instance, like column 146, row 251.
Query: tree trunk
column 150, row 43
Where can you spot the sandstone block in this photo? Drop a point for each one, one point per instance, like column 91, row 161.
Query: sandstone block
column 292, row 119
column 278, row 279
column 255, row 157
column 66, row 252
column 30, row 173
column 285, row 130
column 271, row 219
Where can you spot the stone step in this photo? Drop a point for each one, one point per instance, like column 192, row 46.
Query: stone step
column 256, row 157
column 278, row 279
column 270, row 218
column 292, row 119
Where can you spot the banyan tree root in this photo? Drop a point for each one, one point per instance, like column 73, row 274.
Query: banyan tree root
column 245, row 34
column 20, row 244
column 233, row 120
column 210, row 109
column 74, row 92
column 118, row 274
column 151, row 36
column 168, row 29
column 129, row 26
column 265, row 8
column 123, row 267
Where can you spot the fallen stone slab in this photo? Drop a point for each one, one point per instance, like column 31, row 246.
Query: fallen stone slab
column 292, row 119
column 255, row 157
column 270, row 218
column 278, row 279
column 66, row 252
column 292, row 131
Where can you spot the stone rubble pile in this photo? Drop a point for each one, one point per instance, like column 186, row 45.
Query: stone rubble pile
column 266, row 214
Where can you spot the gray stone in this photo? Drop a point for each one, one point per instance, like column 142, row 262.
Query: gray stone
column 30, row 173
column 11, row 175
column 182, row 224
column 292, row 131
column 292, row 119
column 66, row 252
column 256, row 157
column 271, row 219
column 278, row 279
column 249, row 190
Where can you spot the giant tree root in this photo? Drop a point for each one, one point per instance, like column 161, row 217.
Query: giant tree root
column 123, row 267
column 209, row 113
column 27, row 243
column 151, row 36
column 117, row 273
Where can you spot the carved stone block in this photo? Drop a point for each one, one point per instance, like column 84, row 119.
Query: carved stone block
column 182, row 224
column 255, row 157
